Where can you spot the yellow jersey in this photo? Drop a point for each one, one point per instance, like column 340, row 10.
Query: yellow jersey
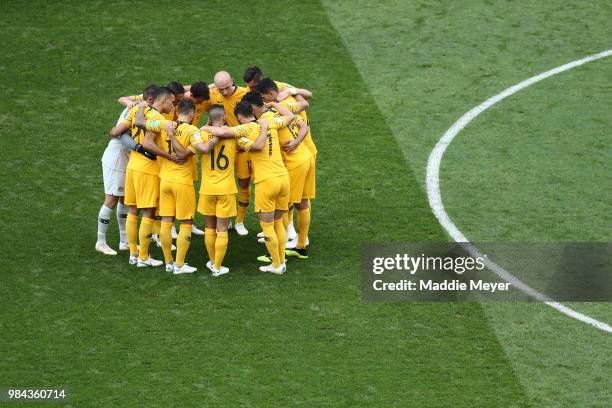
column 229, row 102
column 200, row 108
column 301, row 152
column 139, row 162
column 268, row 162
column 218, row 167
column 188, row 136
column 291, row 104
column 171, row 115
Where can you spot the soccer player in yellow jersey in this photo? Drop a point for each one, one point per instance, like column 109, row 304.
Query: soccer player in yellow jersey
column 252, row 76
column 129, row 101
column 176, row 191
column 142, row 177
column 226, row 93
column 217, row 191
column 294, row 153
column 269, row 174
column 199, row 94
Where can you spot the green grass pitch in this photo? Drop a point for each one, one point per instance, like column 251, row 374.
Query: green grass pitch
column 389, row 78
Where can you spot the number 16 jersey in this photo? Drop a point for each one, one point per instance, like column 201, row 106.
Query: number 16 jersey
column 218, row 167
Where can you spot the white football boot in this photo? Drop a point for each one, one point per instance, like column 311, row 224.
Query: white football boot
column 184, row 269
column 195, row 230
column 269, row 268
column 133, row 259
column 124, row 246
column 149, row 262
column 210, row 265
column 241, row 229
column 221, row 271
column 170, row 267
column 105, row 249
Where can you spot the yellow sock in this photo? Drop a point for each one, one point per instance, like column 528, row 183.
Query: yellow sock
column 210, row 237
column 244, row 198
column 290, row 215
column 281, row 235
column 144, row 236
column 157, row 225
column 165, row 236
column 285, row 221
column 220, row 248
column 131, row 229
column 182, row 244
column 303, row 226
column 271, row 241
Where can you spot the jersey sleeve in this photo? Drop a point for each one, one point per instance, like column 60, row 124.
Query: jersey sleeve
column 129, row 120
column 240, row 131
column 156, row 125
column 194, row 140
column 291, row 105
column 244, row 143
column 276, row 121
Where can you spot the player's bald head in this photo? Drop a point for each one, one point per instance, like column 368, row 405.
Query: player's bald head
column 222, row 78
column 224, row 83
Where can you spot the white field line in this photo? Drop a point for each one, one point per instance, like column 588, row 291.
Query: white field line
column 435, row 199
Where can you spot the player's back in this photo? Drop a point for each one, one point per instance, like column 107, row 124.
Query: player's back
column 268, row 162
column 291, row 104
column 185, row 134
column 218, row 167
column 289, row 133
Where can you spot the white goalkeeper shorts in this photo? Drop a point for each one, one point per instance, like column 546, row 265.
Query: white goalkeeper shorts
column 114, row 181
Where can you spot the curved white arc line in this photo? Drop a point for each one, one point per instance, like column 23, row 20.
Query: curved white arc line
column 435, row 198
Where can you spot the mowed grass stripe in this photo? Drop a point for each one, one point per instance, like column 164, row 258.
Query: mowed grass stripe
column 117, row 336
column 448, row 57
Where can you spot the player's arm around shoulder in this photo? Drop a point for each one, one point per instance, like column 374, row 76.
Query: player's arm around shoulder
column 291, row 145
column 301, row 104
column 220, row 131
column 284, row 118
column 129, row 101
column 208, row 146
column 181, row 151
column 151, row 146
column 259, row 143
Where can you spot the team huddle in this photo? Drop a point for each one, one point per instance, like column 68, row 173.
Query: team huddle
column 258, row 134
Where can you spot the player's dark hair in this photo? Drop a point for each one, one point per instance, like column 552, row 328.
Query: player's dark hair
column 266, row 85
column 244, row 108
column 253, row 98
column 200, row 90
column 252, row 73
column 186, row 107
column 150, row 92
column 176, row 87
column 162, row 92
